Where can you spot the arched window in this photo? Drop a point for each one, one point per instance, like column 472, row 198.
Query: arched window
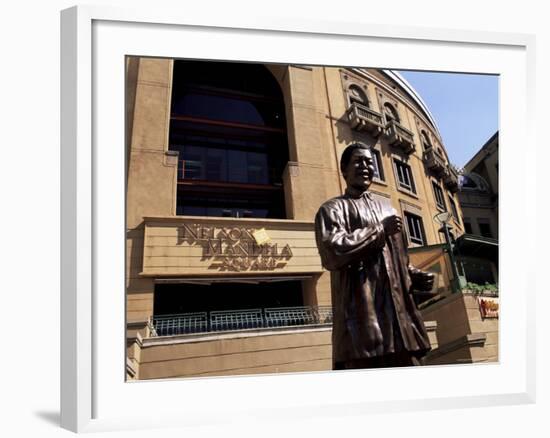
column 473, row 181
column 390, row 113
column 425, row 140
column 228, row 125
column 357, row 95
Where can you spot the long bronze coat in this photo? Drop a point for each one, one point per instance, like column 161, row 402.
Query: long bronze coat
column 373, row 310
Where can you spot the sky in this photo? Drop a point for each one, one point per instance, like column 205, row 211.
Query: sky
column 464, row 106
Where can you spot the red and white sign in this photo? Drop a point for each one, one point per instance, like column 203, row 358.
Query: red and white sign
column 488, row 307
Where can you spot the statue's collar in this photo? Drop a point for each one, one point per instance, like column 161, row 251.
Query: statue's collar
column 352, row 192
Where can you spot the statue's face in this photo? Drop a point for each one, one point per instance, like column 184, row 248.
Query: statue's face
column 360, row 169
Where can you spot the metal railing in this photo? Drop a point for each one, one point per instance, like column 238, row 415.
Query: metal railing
column 289, row 316
column 180, row 324
column 236, row 320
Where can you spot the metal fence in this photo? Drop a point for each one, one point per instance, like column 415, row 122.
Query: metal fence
column 246, row 319
column 236, row 320
column 180, row 324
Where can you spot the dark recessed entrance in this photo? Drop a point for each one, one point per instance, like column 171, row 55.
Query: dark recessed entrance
column 185, row 298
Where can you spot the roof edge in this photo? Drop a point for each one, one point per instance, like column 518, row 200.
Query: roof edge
column 409, row 89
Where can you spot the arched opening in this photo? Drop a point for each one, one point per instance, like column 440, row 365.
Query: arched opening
column 426, row 143
column 357, row 95
column 228, row 124
column 390, row 113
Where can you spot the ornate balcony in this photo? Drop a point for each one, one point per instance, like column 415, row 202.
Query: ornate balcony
column 450, row 178
column 435, row 161
column 362, row 118
column 399, row 136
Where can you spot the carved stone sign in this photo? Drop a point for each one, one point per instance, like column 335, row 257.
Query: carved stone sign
column 203, row 246
column 235, row 248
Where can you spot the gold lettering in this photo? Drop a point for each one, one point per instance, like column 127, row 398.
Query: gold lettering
column 207, row 232
column 286, row 252
column 256, row 249
column 213, row 248
column 247, row 234
column 222, row 234
column 190, row 231
column 242, row 249
column 235, row 234
column 236, row 249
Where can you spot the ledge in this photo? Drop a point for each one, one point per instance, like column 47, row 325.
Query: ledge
column 407, row 192
column 228, row 220
column 131, row 369
column 470, row 340
column 137, row 339
column 216, row 336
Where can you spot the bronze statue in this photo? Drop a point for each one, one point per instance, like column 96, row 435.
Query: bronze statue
column 361, row 241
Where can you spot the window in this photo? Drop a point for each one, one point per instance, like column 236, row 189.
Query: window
column 439, row 198
column 425, row 140
column 378, row 169
column 404, row 176
column 228, row 124
column 484, row 228
column 357, row 95
column 468, row 226
column 415, row 228
column 453, row 208
column 390, row 113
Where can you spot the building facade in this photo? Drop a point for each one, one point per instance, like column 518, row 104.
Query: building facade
column 227, row 165
column 478, row 194
column 467, row 320
column 478, row 197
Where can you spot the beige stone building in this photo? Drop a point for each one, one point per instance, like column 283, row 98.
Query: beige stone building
column 227, row 166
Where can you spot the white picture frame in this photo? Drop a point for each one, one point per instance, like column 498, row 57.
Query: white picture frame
column 94, row 395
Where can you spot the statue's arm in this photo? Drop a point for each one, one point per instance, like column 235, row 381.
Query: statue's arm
column 337, row 246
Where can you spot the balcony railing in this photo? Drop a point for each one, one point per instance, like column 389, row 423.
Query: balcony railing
column 400, row 136
column 181, row 324
column 450, row 178
column 238, row 320
column 434, row 161
column 362, row 118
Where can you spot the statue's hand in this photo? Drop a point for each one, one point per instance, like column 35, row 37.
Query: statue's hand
column 392, row 224
column 421, row 280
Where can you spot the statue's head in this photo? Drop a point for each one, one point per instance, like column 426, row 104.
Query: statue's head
column 357, row 165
